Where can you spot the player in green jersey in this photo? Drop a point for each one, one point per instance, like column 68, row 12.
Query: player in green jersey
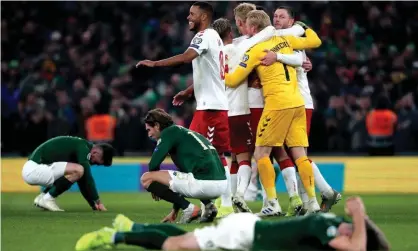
column 245, row 231
column 60, row 162
column 200, row 174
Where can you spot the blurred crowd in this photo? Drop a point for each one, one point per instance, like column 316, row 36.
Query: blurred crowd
column 64, row 62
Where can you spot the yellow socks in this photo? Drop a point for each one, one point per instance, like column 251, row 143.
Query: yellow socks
column 267, row 177
column 306, row 175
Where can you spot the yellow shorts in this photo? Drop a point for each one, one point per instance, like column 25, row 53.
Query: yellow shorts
column 283, row 127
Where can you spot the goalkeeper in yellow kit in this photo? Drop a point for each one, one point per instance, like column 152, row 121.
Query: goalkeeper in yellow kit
column 283, row 120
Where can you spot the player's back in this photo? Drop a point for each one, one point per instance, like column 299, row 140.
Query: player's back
column 208, row 71
column 191, row 152
column 280, row 88
column 61, row 148
column 237, row 97
column 312, row 232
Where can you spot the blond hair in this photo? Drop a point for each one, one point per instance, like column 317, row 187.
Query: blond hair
column 243, row 9
column 258, row 18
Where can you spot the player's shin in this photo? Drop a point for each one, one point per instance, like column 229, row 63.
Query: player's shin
column 170, row 230
column 289, row 176
column 306, row 175
column 226, row 198
column 234, row 177
column 149, row 239
column 60, row 186
column 302, row 192
column 267, row 176
column 164, row 192
column 321, row 183
column 244, row 177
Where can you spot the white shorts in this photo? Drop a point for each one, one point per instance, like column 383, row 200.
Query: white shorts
column 42, row 174
column 234, row 232
column 188, row 186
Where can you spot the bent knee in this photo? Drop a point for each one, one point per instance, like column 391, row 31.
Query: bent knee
column 74, row 172
column 146, row 179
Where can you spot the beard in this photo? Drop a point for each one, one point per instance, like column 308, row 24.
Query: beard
column 195, row 27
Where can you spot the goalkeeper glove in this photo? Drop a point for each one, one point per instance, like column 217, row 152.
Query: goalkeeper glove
column 302, row 24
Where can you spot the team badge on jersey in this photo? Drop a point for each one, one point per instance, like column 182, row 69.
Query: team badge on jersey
column 197, row 40
column 245, row 58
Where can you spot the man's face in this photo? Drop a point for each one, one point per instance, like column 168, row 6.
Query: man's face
column 282, row 20
column 241, row 26
column 153, row 131
column 194, row 18
column 251, row 29
column 96, row 156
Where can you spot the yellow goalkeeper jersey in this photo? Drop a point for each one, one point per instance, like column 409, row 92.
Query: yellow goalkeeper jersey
column 279, row 81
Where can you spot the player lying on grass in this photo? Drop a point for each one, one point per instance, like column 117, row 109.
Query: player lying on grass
column 201, row 174
column 60, row 162
column 245, row 231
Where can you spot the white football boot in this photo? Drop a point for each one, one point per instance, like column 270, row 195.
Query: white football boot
column 49, row 204
column 37, row 199
column 270, row 208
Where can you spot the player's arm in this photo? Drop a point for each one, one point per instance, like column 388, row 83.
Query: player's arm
column 263, row 35
column 164, row 145
column 311, row 41
column 183, row 58
column 358, row 239
column 295, row 30
column 295, row 59
column 87, row 186
column 245, row 67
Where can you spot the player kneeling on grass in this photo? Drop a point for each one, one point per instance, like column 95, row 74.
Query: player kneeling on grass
column 201, row 174
column 245, row 231
column 59, row 162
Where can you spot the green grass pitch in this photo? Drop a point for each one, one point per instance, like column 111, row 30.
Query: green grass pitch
column 26, row 228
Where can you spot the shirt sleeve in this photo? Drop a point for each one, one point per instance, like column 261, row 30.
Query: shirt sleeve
column 262, row 36
column 164, row 145
column 295, row 30
column 295, row 59
column 249, row 61
column 311, row 41
column 200, row 42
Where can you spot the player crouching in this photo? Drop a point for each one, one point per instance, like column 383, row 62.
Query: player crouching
column 201, row 174
column 60, row 162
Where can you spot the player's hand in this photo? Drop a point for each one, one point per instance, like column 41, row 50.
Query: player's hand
column 307, row 65
column 269, row 59
column 155, row 197
column 100, row 207
column 180, row 98
column 354, row 205
column 254, row 80
column 171, row 217
column 148, row 63
column 302, row 24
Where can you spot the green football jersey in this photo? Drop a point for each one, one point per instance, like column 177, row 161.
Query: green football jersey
column 63, row 148
column 73, row 150
column 190, row 152
column 311, row 232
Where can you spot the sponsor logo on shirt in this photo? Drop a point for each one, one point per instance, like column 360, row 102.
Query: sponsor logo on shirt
column 243, row 64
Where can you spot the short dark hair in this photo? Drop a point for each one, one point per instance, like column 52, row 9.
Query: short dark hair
column 259, row 7
column 206, row 7
column 288, row 9
column 159, row 116
column 108, row 152
column 223, row 27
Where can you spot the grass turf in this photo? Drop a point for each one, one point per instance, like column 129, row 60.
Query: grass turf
column 25, row 227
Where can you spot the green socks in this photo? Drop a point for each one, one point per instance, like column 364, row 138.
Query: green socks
column 60, row 186
column 167, row 229
column 149, row 239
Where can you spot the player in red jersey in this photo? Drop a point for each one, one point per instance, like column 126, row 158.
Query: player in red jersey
column 207, row 57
